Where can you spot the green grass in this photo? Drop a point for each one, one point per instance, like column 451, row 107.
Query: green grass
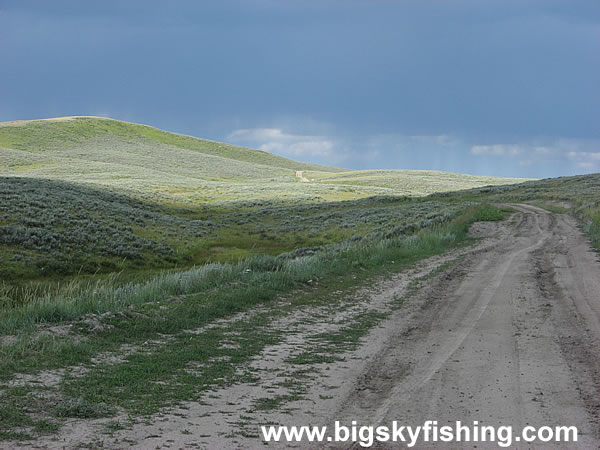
column 57, row 134
column 591, row 217
column 149, row 380
column 88, row 195
column 56, row 229
column 258, row 274
column 327, row 347
column 490, row 213
column 14, row 417
column 410, row 182
column 112, row 152
column 557, row 209
column 81, row 408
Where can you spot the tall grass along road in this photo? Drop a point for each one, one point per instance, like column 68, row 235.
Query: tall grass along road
column 505, row 332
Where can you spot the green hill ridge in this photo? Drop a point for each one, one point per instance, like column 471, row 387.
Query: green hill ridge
column 133, row 157
column 85, row 195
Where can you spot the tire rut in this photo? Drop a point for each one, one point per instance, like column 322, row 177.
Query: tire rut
column 507, row 338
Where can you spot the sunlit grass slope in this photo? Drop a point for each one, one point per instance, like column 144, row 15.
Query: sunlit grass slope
column 146, row 161
column 88, row 194
column 69, row 132
column 172, row 167
column 411, row 182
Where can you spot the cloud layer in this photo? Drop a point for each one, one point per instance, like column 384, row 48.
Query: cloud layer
column 530, row 158
column 274, row 140
column 573, row 155
column 452, row 85
column 497, row 150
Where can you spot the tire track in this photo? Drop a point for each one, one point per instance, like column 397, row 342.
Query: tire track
column 511, row 337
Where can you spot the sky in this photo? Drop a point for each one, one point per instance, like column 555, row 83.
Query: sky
column 494, row 87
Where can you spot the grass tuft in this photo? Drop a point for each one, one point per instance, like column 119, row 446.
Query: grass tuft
column 82, row 409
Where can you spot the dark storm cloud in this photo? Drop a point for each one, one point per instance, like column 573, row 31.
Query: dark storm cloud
column 353, row 83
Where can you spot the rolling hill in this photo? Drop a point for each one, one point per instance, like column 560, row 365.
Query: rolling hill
column 148, row 161
column 89, row 194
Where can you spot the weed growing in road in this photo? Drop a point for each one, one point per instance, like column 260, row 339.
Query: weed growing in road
column 489, row 213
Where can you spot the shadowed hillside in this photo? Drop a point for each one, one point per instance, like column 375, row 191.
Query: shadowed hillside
column 85, row 195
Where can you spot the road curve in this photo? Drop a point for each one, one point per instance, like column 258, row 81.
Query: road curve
column 511, row 336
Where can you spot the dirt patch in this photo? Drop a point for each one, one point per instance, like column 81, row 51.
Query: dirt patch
column 301, row 177
column 486, row 229
column 46, row 378
column 53, row 330
column 8, row 340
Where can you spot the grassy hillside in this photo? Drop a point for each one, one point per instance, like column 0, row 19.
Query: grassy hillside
column 50, row 228
column 168, row 167
column 411, row 182
column 88, row 195
column 143, row 161
column 69, row 132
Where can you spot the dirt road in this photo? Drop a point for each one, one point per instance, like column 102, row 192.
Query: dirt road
column 508, row 335
column 301, row 177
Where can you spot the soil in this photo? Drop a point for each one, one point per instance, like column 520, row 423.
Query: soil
column 300, row 175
